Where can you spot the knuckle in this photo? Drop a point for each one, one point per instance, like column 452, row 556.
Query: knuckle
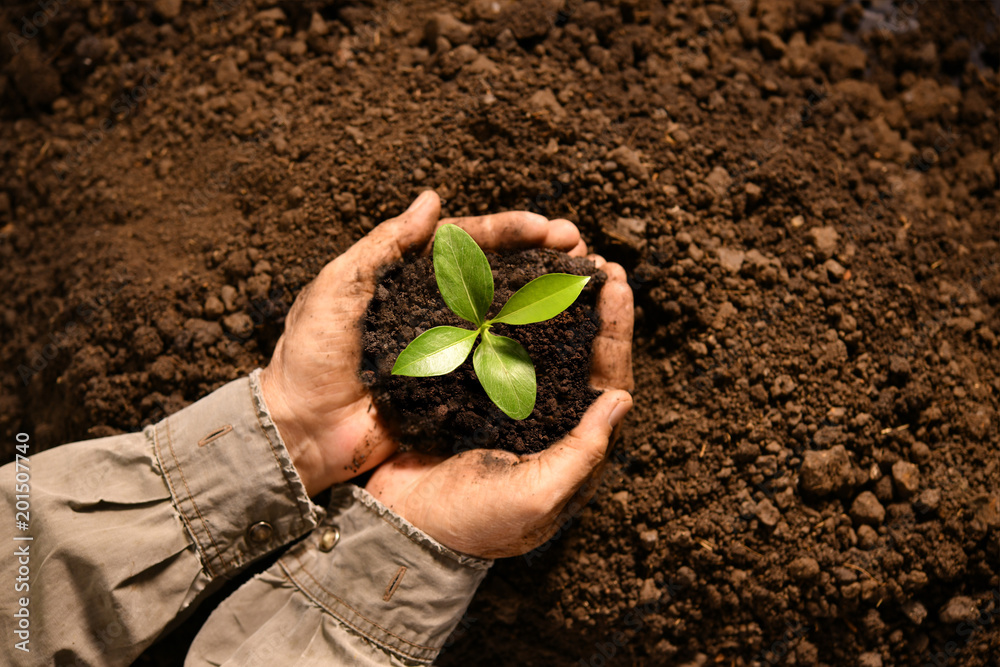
column 615, row 271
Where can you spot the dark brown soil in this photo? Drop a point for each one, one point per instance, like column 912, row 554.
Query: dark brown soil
column 804, row 193
column 452, row 413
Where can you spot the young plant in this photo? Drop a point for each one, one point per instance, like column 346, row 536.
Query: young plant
column 466, row 283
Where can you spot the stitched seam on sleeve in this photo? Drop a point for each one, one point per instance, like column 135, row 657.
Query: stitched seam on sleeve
column 274, row 453
column 366, row 635
column 400, row 531
column 173, row 493
column 341, row 601
column 451, row 559
column 417, row 536
column 180, row 471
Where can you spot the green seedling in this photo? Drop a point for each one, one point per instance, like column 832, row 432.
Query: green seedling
column 466, row 283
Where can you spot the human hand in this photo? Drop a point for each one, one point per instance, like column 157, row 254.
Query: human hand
column 495, row 504
column 312, row 389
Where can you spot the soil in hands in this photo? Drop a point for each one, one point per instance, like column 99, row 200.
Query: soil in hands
column 452, row 413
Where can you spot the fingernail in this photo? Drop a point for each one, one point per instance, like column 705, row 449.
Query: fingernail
column 419, row 201
column 618, row 413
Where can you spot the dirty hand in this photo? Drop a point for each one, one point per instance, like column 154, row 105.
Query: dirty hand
column 495, row 504
column 312, row 389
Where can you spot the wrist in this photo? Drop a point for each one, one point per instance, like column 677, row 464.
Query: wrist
column 301, row 447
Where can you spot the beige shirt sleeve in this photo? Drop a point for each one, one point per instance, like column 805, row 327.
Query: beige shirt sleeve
column 130, row 532
column 366, row 588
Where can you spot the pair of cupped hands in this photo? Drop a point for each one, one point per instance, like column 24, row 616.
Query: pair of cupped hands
column 466, row 502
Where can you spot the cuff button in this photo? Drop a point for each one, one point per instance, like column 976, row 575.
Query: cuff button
column 260, row 532
column 328, row 540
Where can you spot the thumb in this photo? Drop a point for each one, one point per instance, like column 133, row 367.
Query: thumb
column 571, row 461
column 388, row 241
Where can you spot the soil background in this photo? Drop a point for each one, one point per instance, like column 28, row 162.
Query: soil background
column 804, row 194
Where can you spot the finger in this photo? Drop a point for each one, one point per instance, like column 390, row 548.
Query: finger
column 611, row 363
column 611, row 270
column 563, row 235
column 580, row 250
column 388, row 241
column 614, row 272
column 518, row 229
column 566, row 465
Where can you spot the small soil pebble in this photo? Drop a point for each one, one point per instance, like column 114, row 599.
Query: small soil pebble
column 826, row 472
column 867, row 509
column 928, row 500
column 915, row 611
column 907, row 478
column 867, row 537
column 869, row 659
column 238, row 324
column 203, row 333
column 768, row 513
column 959, row 608
column 825, row 240
column 214, row 307
column 804, row 569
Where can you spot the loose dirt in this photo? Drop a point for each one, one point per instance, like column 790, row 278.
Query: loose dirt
column 452, row 413
column 804, row 194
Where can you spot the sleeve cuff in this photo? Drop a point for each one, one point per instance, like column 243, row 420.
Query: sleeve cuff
column 383, row 578
column 231, row 478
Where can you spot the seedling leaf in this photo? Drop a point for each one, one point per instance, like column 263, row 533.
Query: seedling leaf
column 463, row 274
column 542, row 299
column 436, row 351
column 507, row 374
